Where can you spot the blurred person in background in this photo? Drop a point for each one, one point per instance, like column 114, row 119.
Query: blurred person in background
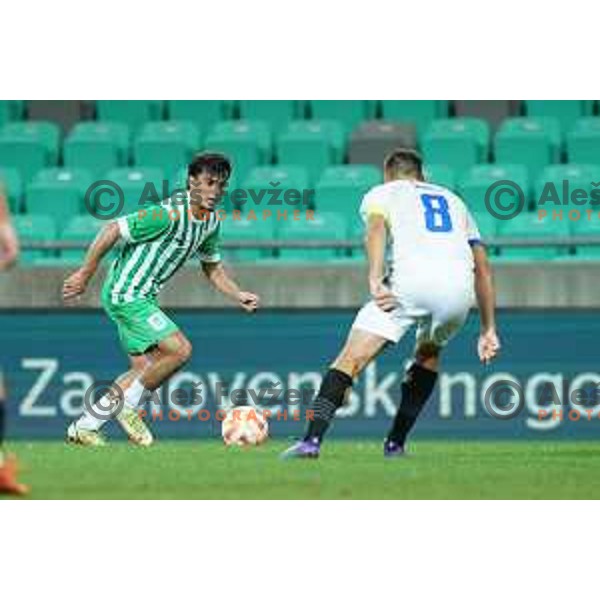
column 9, row 252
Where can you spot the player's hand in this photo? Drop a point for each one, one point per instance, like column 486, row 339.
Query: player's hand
column 488, row 346
column 248, row 301
column 75, row 285
column 383, row 296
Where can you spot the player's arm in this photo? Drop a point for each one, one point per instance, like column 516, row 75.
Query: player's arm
column 212, row 267
column 375, row 242
column 9, row 246
column 77, row 283
column 488, row 345
column 221, row 280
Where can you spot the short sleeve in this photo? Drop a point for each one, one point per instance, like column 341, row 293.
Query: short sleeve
column 143, row 226
column 473, row 235
column 374, row 203
column 210, row 249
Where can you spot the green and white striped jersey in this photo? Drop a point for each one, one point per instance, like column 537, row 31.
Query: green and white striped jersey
column 157, row 243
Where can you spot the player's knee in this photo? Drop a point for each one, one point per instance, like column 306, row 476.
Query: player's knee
column 352, row 362
column 183, row 352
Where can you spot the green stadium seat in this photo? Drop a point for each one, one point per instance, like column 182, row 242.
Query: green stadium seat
column 134, row 113
column 203, row 113
column 566, row 111
column 249, row 230
column 44, row 132
column 340, row 189
column 247, row 143
column 577, row 176
column 588, row 228
column 290, row 177
column 315, row 144
column 441, row 175
column 140, row 185
column 323, row 226
column 34, row 228
column 583, row 141
column 349, row 112
column 528, row 225
column 419, row 112
column 276, row 113
column 168, row 145
column 97, row 146
column 58, row 192
column 458, row 143
column 488, row 228
column 12, row 186
column 534, row 142
column 82, row 228
column 10, row 110
column 28, row 147
column 477, row 180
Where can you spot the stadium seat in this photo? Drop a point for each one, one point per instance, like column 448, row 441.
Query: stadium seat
column 372, row 141
column 349, row 112
column 248, row 143
column 340, row 189
column 82, row 228
column 58, row 192
column 492, row 112
column 34, row 228
column 475, row 183
column 133, row 113
column 276, row 113
column 45, row 132
column 12, row 186
column 583, row 141
column 577, row 176
column 203, row 113
column 97, row 146
column 458, row 143
column 323, row 226
column 588, row 228
column 245, row 230
column 441, row 175
column 566, row 111
column 534, row 142
column 528, row 225
column 487, row 225
column 314, row 144
column 64, row 113
column 168, row 145
column 140, row 185
column 419, row 112
column 290, row 177
column 10, row 110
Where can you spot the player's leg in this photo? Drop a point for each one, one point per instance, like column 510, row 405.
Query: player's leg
column 433, row 333
column 8, row 463
column 372, row 330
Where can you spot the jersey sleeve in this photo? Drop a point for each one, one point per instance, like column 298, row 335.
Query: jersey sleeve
column 374, row 203
column 142, row 226
column 473, row 235
column 210, row 249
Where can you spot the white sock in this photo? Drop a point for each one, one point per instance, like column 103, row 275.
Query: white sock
column 104, row 411
column 133, row 394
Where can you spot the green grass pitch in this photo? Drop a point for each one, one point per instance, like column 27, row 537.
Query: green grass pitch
column 346, row 470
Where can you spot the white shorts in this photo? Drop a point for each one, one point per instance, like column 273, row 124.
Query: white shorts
column 437, row 325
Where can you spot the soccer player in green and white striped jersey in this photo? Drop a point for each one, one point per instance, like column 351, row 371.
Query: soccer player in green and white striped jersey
column 156, row 246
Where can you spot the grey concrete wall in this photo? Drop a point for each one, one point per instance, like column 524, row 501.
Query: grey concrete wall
column 296, row 286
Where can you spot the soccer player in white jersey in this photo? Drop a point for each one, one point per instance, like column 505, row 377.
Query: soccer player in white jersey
column 155, row 246
column 437, row 266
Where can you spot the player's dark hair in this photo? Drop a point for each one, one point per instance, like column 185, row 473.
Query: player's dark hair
column 213, row 163
column 404, row 162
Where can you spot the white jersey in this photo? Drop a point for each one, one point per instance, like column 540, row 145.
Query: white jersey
column 430, row 232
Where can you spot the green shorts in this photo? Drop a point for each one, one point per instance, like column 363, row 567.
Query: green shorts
column 141, row 323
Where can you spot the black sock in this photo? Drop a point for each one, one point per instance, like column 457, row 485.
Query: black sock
column 329, row 399
column 416, row 390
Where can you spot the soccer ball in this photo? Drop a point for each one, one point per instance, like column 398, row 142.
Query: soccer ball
column 244, row 426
